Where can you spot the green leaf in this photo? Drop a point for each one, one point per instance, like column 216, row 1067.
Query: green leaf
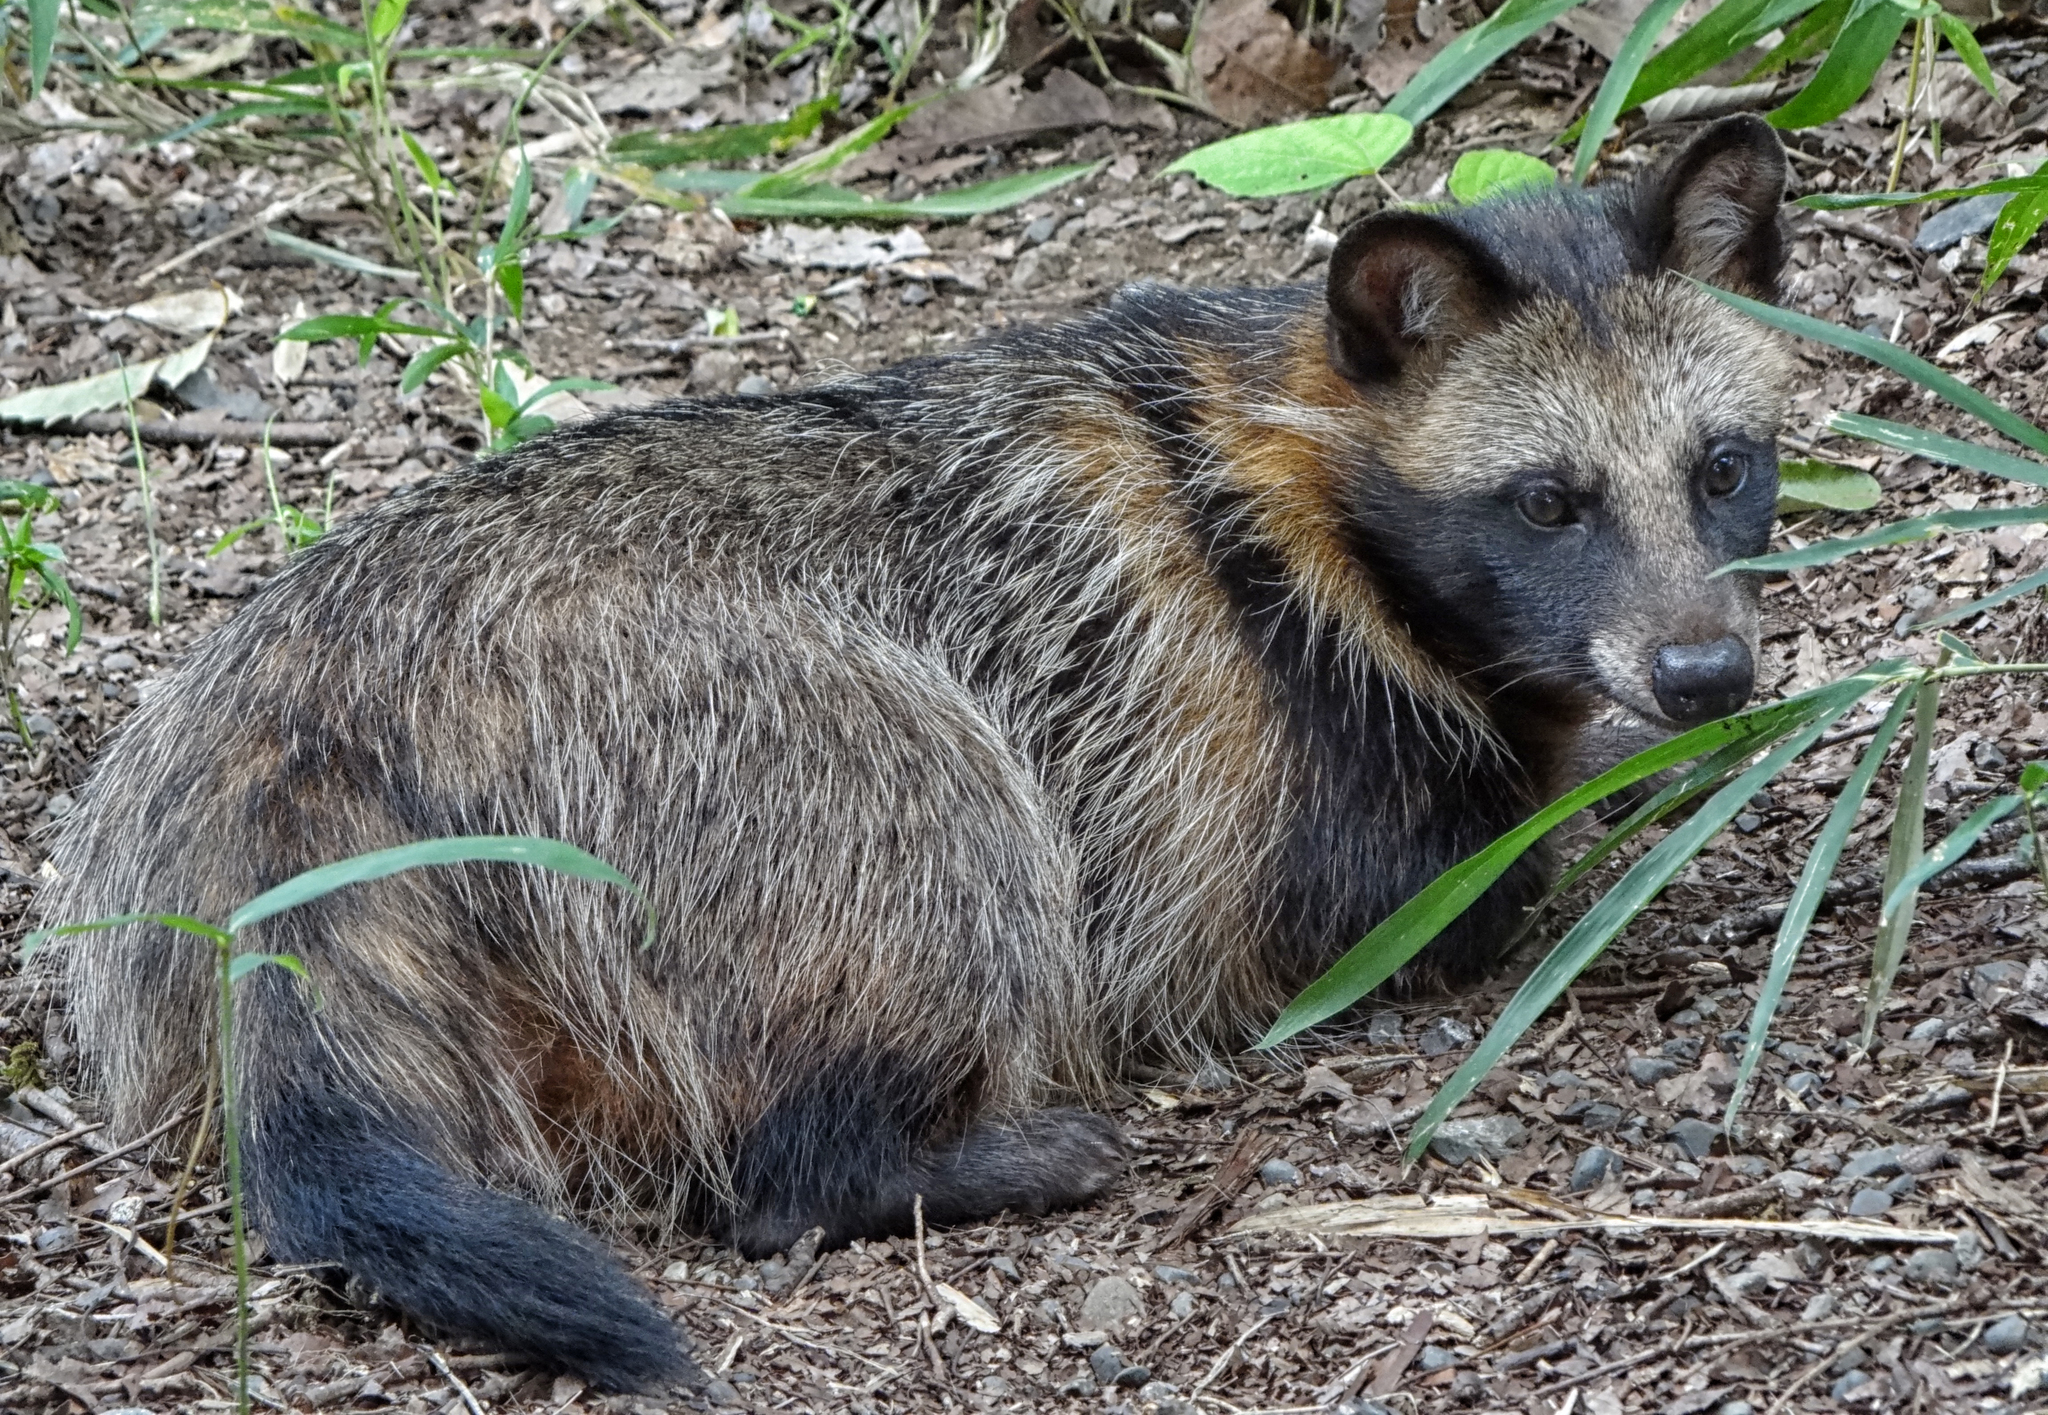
column 548, row 854
column 2017, row 223
column 1299, row 157
column 353, row 326
column 1936, row 447
column 1621, row 76
column 511, row 278
column 809, row 168
column 823, row 201
column 725, row 143
column 1806, row 898
column 1952, row 849
column 42, row 41
column 1965, row 45
column 515, row 213
column 328, row 255
column 1489, row 171
column 2033, row 777
column 1866, row 40
column 1722, row 33
column 235, row 534
column 1908, row 838
column 54, row 581
column 429, row 171
column 1891, row 356
column 1847, row 201
column 1402, row 935
column 33, row 944
column 1991, row 601
column 1810, row 485
column 1827, row 552
column 1614, row 909
column 523, row 428
column 386, row 18
column 28, row 494
column 245, row 17
column 1471, row 54
column 499, row 409
column 1805, row 39
column 420, row 367
column 243, row 964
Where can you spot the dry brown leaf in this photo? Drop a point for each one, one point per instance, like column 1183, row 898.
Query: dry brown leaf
column 1254, row 69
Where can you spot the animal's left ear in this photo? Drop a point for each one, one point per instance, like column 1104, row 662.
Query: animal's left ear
column 1713, row 212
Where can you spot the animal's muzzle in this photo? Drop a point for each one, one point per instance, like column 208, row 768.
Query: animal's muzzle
column 1698, row 682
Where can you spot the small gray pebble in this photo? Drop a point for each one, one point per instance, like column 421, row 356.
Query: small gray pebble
column 1869, row 1203
column 1385, row 1030
column 916, row 293
column 1105, row 1361
column 2041, row 336
column 1443, row 1035
column 1735, row 1407
column 1592, row 1167
column 1803, row 1084
column 1686, row 1017
column 1133, row 1376
column 1872, row 1164
column 2006, row 1335
column 1457, row 1141
column 1436, row 1358
column 1936, row 1267
column 1841, row 1388
column 725, row 1393
column 1080, row 1385
column 1932, row 1029
column 1649, row 1070
column 1277, row 1174
column 1558, row 1080
column 1645, row 1198
column 1040, row 231
column 1904, row 1187
column 1880, row 1265
column 1172, row 1274
column 754, row 385
column 1182, row 1306
column 1748, row 823
column 1695, row 1137
column 1972, row 217
column 1685, row 1049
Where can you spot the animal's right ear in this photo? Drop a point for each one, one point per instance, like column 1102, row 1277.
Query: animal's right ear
column 1403, row 283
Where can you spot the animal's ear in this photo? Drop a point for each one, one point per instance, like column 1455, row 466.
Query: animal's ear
column 1402, row 283
column 1713, row 212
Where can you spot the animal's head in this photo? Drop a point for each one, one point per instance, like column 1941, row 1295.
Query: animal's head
column 1578, row 438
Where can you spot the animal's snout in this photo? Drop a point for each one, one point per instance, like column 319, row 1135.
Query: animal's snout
column 1696, row 682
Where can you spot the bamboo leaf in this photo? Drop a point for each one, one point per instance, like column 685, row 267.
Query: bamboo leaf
column 1809, row 485
column 1908, row 839
column 1621, row 76
column 1945, row 854
column 42, row 41
column 1806, row 898
column 452, row 850
column 1966, row 47
column 1937, row 448
column 2017, row 223
column 1827, row 552
column 1613, row 911
column 1865, row 42
column 1848, row 201
column 1471, row 54
column 1991, row 601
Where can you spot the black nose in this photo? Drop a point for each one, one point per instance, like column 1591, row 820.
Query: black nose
column 1696, row 682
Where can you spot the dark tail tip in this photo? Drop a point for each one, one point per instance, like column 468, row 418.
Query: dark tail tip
column 330, row 1183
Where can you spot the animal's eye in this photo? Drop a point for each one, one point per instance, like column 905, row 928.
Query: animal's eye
column 1725, row 474
column 1545, row 506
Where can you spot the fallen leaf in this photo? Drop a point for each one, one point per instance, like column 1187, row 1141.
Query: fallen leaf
column 969, row 1310
column 101, row 391
column 288, row 357
column 1254, row 68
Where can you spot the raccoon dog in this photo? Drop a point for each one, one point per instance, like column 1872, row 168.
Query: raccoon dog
column 978, row 727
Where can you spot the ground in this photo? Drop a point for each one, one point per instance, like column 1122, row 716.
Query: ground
column 1592, row 1247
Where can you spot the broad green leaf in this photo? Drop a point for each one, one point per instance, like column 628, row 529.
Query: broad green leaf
column 498, row 409
column 42, row 41
column 1827, row 552
column 1489, row 171
column 1899, row 361
column 2016, row 225
column 725, row 143
column 30, row 495
column 823, row 201
column 353, row 326
column 523, row 428
column 1612, row 912
column 328, row 255
column 1403, row 934
column 33, row 944
column 1809, row 485
column 1471, row 54
column 421, row 366
column 1299, row 157
column 1936, row 447
column 1621, row 76
column 1965, row 45
column 548, row 854
column 1991, row 601
column 386, row 18
column 1806, row 898
column 1865, row 42
column 1908, row 839
column 1848, row 201
column 2033, row 777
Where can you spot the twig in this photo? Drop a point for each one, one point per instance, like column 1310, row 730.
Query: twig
column 701, row 341
column 14, row 1162
column 924, row 1273
column 1785, row 1396
column 1535, row 1264
column 1998, row 1087
column 792, row 1335
column 94, row 1163
column 1229, row 1351
column 1863, row 231
column 239, row 229
column 448, row 1375
column 175, row 434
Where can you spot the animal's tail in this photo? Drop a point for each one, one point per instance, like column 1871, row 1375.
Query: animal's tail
column 332, row 1182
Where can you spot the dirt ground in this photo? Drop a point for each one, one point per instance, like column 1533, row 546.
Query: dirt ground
column 1614, row 1254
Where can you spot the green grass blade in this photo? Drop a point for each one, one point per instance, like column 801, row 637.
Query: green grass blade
column 1950, row 850
column 1621, row 77
column 1891, row 356
column 452, row 850
column 1908, row 839
column 1937, row 448
column 1990, row 601
column 1470, row 54
column 1722, row 33
column 1402, row 934
column 1812, row 34
column 822, row 200
column 2017, row 223
column 1865, row 42
column 1827, row 552
column 33, row 944
column 1849, row 201
column 42, row 41
column 1613, row 911
column 1806, row 899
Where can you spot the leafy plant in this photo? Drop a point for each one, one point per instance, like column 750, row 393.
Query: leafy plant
column 2017, row 223
column 232, row 965
column 1299, row 157
column 1734, row 758
column 296, row 528
column 33, row 580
